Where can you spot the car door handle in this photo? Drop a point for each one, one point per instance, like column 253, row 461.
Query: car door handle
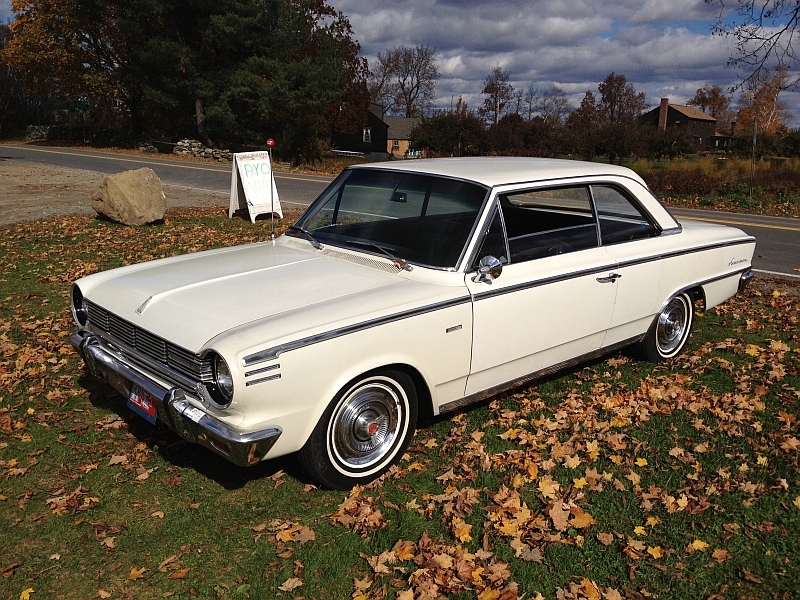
column 610, row 279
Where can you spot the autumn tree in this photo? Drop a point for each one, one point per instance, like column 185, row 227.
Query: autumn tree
column 498, row 92
column 403, row 80
column 764, row 104
column 67, row 49
column 584, row 127
column 609, row 124
column 619, row 100
column 711, row 100
column 242, row 69
column 765, row 35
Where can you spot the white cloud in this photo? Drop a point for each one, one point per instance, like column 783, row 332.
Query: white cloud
column 664, row 48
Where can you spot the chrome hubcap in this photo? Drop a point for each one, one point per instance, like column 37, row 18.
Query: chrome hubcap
column 672, row 325
column 365, row 425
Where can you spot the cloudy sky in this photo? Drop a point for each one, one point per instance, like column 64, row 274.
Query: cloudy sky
column 664, row 47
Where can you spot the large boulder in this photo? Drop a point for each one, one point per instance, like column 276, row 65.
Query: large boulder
column 131, row 197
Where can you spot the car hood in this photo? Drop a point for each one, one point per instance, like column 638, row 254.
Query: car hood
column 192, row 298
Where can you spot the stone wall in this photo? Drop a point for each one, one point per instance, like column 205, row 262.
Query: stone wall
column 195, row 148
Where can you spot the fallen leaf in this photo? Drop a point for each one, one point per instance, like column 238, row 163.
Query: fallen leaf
column 582, row 520
column 181, row 574
column 136, row 573
column 750, row 577
column 654, row 552
column 559, row 514
column 697, row 545
column 26, row 594
column 290, row 584
column 605, row 538
column 720, row 554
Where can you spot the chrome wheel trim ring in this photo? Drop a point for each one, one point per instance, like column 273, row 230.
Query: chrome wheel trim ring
column 367, row 425
column 672, row 327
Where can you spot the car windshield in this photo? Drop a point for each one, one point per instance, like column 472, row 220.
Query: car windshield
column 422, row 219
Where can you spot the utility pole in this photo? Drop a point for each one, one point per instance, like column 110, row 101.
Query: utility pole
column 753, row 159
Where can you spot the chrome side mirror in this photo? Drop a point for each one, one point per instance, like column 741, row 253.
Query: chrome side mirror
column 489, row 268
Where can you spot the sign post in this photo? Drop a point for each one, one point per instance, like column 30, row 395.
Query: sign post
column 253, row 186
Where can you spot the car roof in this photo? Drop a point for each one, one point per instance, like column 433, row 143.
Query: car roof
column 492, row 171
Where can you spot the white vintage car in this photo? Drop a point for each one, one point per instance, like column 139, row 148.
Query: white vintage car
column 406, row 287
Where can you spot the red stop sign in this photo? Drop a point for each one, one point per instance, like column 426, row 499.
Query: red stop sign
column 270, row 142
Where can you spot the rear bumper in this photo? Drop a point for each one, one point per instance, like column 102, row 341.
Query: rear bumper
column 191, row 423
column 745, row 279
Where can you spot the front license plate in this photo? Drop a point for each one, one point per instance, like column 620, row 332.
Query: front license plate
column 142, row 403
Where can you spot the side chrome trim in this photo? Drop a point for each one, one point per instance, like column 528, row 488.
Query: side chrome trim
column 263, row 379
column 704, row 282
column 494, row 390
column 638, row 261
column 275, row 351
column 610, row 266
column 546, row 281
column 262, row 370
column 671, row 230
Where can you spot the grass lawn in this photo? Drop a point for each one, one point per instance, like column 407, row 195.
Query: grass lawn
column 616, row 480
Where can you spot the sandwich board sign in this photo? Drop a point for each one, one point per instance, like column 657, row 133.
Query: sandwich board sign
column 253, row 185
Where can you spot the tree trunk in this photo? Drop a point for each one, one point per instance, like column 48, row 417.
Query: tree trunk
column 201, row 124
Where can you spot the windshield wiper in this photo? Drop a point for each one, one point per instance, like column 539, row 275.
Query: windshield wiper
column 307, row 235
column 400, row 263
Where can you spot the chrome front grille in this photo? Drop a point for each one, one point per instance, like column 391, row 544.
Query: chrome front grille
column 176, row 358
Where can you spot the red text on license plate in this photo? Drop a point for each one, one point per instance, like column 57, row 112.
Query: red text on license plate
column 142, row 403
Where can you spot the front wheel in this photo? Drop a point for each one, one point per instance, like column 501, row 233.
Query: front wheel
column 363, row 432
column 670, row 331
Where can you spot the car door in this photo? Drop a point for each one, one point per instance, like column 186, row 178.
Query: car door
column 627, row 232
column 554, row 298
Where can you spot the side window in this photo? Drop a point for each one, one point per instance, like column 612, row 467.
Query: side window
column 494, row 242
column 545, row 222
column 620, row 219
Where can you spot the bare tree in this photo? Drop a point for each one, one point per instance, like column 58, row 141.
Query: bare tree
column 531, row 101
column 404, row 80
column 498, row 93
column 553, row 105
column 764, row 31
column 380, row 84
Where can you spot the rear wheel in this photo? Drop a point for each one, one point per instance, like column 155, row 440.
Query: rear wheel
column 670, row 331
column 363, row 432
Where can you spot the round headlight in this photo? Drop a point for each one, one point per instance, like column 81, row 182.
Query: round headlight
column 79, row 306
column 223, row 378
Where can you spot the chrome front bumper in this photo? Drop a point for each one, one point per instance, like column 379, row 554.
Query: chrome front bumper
column 191, row 423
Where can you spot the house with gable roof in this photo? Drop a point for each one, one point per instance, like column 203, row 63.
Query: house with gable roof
column 700, row 127
column 398, row 138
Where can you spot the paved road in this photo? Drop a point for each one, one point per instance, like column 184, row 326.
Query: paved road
column 293, row 188
column 777, row 252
